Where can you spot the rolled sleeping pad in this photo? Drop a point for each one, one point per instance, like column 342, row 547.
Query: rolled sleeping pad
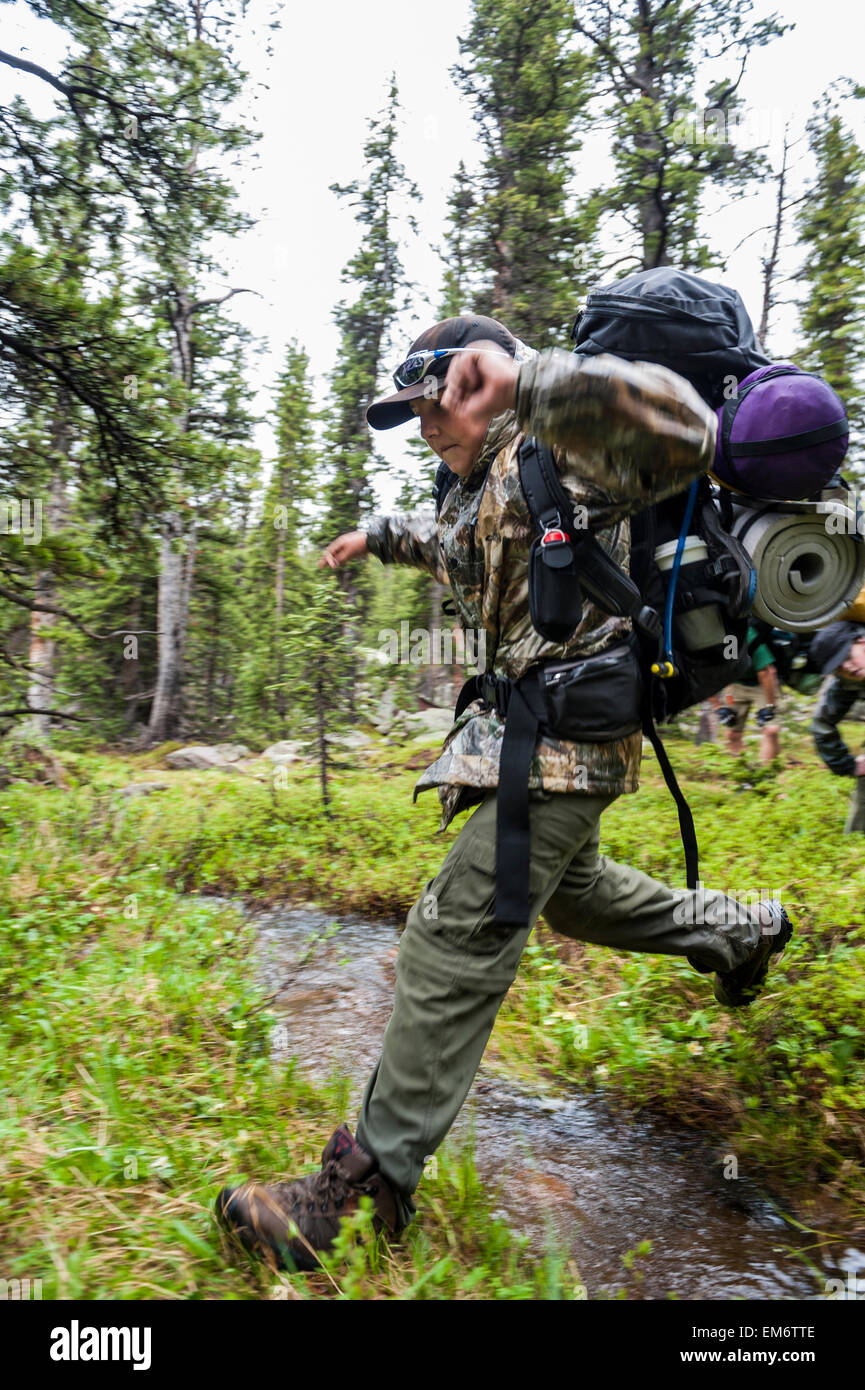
column 807, row 574
column 782, row 435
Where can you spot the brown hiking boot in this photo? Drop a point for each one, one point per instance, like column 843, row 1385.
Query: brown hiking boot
column 261, row 1215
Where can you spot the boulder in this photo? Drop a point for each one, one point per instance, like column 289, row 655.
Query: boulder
column 143, row 788
column 288, row 751
column 200, row 757
column 385, row 711
column 231, row 752
column 355, row 738
column 429, row 721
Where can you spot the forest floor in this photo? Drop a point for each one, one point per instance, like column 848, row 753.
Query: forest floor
column 135, row 1061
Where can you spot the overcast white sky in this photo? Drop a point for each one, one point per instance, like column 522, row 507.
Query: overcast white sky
column 329, row 72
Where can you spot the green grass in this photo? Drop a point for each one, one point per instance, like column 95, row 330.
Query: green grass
column 134, row 1059
column 137, row 1081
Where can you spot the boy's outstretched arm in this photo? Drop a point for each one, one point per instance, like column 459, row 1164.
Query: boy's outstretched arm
column 401, row 539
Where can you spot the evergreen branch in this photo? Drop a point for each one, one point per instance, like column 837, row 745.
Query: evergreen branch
column 218, row 299
column 23, row 601
column 104, row 18
column 68, row 89
column 55, row 713
column 729, row 91
column 603, row 46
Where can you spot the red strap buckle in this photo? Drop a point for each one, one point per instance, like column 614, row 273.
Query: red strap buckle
column 549, row 536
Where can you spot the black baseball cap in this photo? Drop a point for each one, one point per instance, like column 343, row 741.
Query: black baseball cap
column 450, row 333
column 831, row 647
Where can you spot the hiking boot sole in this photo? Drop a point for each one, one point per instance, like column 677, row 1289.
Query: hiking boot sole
column 738, row 993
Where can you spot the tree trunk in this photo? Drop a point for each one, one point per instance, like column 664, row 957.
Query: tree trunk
column 322, row 740
column 770, row 262
column 176, row 560
column 434, row 675
column 212, row 657
column 654, row 219
column 279, row 601
column 164, row 715
column 43, row 648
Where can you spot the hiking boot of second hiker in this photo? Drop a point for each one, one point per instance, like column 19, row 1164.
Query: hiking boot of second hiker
column 740, row 987
column 263, row 1216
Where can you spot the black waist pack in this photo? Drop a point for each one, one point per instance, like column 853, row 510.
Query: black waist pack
column 595, row 699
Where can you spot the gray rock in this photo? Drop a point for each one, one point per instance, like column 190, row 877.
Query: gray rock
column 231, row 752
column 197, row 757
column 385, row 711
column 288, row 751
column 429, row 721
column 354, row 739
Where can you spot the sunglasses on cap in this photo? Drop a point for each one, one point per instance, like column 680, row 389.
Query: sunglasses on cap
column 414, row 367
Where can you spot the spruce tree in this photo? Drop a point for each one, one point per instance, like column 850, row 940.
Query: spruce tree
column 460, row 274
column 529, row 86
column 831, row 225
column 380, row 288
column 276, row 580
column 375, row 276
column 668, row 149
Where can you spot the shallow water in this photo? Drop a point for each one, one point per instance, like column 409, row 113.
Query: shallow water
column 598, row 1182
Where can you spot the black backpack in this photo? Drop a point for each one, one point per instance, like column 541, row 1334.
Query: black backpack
column 702, row 332
column 699, row 330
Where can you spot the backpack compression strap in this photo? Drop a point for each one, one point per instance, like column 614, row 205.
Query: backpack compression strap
column 602, row 579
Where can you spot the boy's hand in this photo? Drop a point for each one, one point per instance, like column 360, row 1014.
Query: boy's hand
column 480, row 383
column 344, row 548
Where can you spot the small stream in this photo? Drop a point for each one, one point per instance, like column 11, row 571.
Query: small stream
column 567, row 1167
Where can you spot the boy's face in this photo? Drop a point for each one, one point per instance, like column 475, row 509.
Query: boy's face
column 457, row 439
column 853, row 667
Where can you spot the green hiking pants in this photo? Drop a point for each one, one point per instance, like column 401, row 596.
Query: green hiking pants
column 455, row 966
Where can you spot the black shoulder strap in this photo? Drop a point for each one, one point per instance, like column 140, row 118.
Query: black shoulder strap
column 601, row 578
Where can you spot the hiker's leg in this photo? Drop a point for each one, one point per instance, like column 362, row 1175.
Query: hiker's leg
column 453, row 970
column 736, row 704
column 614, row 905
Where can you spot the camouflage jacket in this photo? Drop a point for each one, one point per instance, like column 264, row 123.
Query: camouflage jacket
column 623, row 435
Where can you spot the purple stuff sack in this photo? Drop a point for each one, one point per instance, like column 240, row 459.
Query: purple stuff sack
column 782, row 436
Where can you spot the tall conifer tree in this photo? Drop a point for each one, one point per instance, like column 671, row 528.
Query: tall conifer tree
column 831, row 224
column 669, row 149
column 529, row 86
